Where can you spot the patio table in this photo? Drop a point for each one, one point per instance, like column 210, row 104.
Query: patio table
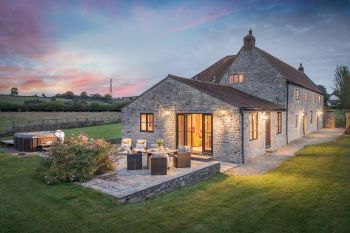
column 150, row 151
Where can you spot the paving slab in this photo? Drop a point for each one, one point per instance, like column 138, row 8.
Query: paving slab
column 271, row 160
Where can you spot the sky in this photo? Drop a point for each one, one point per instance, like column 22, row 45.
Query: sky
column 69, row 45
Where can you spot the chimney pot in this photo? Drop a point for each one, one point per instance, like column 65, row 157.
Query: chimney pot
column 301, row 68
column 249, row 41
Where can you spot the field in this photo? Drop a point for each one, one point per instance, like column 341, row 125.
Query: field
column 23, row 118
column 21, row 99
column 307, row 193
column 106, row 131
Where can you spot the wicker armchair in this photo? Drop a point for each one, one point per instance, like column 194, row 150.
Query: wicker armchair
column 159, row 164
column 182, row 160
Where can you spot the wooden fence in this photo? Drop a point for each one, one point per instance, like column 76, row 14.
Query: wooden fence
column 11, row 127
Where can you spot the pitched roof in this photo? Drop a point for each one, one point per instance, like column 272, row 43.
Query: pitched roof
column 290, row 73
column 229, row 95
column 216, row 70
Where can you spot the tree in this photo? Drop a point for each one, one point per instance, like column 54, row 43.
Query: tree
column 323, row 89
column 43, row 95
column 107, row 97
column 68, row 95
column 14, row 91
column 341, row 83
column 84, row 95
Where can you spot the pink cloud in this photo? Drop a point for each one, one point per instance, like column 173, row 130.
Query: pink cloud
column 21, row 30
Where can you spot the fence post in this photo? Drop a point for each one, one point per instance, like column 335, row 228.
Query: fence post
column 77, row 122
column 13, row 125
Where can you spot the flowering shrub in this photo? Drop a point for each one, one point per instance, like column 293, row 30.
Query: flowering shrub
column 78, row 159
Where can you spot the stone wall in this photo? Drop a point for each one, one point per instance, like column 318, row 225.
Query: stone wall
column 172, row 97
column 173, row 184
column 303, row 108
column 261, row 79
column 257, row 147
column 329, row 119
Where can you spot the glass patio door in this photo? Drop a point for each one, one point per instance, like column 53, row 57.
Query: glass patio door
column 195, row 130
column 207, row 133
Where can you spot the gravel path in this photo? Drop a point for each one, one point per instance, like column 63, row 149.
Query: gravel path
column 269, row 161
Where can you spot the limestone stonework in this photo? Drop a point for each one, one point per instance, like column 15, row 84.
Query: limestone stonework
column 170, row 97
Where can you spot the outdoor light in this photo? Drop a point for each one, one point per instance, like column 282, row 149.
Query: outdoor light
column 223, row 112
column 167, row 113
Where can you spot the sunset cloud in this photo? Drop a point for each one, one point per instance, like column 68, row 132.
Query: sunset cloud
column 55, row 46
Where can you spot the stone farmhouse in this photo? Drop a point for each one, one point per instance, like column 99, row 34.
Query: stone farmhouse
column 236, row 109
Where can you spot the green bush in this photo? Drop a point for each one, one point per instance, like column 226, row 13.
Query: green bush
column 78, row 159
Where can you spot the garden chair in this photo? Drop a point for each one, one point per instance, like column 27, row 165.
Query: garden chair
column 141, row 145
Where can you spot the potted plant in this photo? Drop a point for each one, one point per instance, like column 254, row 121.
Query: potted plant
column 160, row 143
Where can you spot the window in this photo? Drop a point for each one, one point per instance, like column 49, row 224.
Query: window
column 296, row 120
column 297, row 94
column 279, row 122
column 236, row 78
column 311, row 116
column 146, row 122
column 306, row 96
column 319, row 99
column 253, row 126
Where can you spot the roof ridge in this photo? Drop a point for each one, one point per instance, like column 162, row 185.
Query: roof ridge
column 224, row 86
column 266, row 55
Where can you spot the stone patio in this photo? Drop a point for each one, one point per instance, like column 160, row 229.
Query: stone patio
column 137, row 185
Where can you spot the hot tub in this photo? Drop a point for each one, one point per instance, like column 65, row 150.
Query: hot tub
column 32, row 141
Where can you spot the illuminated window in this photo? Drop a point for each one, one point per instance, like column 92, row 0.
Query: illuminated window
column 311, row 116
column 236, row 78
column 146, row 122
column 297, row 94
column 253, row 126
column 279, row 122
column 296, row 120
column 306, row 96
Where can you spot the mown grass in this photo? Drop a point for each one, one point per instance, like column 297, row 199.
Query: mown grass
column 307, row 193
column 100, row 131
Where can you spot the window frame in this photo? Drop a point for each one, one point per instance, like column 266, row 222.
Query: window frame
column 296, row 120
column 253, row 126
column 311, row 117
column 236, row 78
column 279, row 123
column 319, row 98
column 297, row 94
column 147, row 122
column 306, row 96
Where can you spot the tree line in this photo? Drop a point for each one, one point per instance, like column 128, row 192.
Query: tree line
column 59, row 106
column 85, row 96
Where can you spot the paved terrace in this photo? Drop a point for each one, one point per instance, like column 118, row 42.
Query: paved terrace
column 137, row 185
column 269, row 161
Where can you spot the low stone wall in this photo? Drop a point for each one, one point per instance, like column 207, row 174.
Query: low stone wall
column 173, row 184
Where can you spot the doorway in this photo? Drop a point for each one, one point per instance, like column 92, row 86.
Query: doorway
column 268, row 130
column 195, row 130
column 304, row 125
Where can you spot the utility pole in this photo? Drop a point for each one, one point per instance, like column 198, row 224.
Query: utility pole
column 110, row 87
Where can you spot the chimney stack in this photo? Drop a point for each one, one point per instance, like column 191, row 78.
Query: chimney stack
column 249, row 41
column 301, row 68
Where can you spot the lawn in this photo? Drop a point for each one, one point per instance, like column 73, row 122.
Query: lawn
column 105, row 131
column 307, row 193
column 100, row 131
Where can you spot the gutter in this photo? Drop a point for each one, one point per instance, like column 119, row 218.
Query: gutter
column 287, row 112
column 242, row 130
